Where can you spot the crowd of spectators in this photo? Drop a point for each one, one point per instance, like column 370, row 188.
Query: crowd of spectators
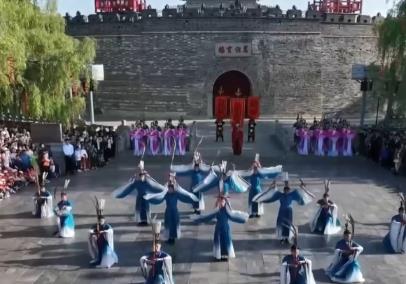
column 384, row 146
column 18, row 160
column 22, row 162
column 88, row 147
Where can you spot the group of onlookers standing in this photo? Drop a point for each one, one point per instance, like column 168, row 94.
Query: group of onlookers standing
column 384, row 146
column 87, row 148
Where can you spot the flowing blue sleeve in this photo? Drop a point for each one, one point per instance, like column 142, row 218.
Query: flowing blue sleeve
column 204, row 218
column 237, row 183
column 244, row 173
column 270, row 172
column 155, row 198
column 237, row 216
column 208, row 183
column 204, row 168
column 124, row 190
column 185, row 196
column 268, row 196
column 300, row 196
column 154, row 186
column 182, row 170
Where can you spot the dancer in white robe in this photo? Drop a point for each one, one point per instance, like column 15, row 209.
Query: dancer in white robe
column 395, row 240
column 345, row 267
column 295, row 268
column 325, row 221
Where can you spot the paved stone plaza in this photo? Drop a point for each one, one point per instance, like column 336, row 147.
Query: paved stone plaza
column 30, row 254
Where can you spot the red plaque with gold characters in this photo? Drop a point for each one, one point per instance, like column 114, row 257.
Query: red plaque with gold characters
column 253, row 107
column 221, row 107
column 237, row 110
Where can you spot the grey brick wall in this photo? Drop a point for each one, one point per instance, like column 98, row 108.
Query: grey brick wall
column 158, row 68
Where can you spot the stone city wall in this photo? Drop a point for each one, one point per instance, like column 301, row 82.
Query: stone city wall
column 158, row 67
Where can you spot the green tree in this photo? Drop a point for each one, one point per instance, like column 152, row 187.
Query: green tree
column 390, row 76
column 39, row 63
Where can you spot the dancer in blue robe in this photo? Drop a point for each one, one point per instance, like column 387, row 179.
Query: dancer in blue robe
column 286, row 199
column 325, row 221
column 395, row 240
column 171, row 192
column 345, row 267
column 255, row 175
column 197, row 170
column 296, row 269
column 223, row 248
column 139, row 186
column 156, row 266
column 43, row 207
column 101, row 244
column 65, row 220
column 219, row 177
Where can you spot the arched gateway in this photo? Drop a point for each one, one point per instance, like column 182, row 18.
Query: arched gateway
column 232, row 84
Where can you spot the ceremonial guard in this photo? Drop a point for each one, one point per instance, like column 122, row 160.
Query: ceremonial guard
column 251, row 130
column 156, row 266
column 325, row 221
column 223, row 248
column 139, row 185
column 237, row 137
column 197, row 170
column 43, row 207
column 219, row 130
column 345, row 267
column 221, row 178
column 171, row 192
column 295, row 268
column 255, row 175
column 395, row 240
column 64, row 216
column 286, row 198
column 101, row 240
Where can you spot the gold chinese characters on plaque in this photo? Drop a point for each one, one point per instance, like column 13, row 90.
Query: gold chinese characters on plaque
column 227, row 49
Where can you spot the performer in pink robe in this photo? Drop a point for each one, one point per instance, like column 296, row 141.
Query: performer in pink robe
column 169, row 141
column 153, row 142
column 350, row 135
column 320, row 135
column 333, row 137
column 138, row 141
column 304, row 142
column 181, row 136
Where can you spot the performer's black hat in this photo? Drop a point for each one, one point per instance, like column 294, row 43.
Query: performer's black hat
column 294, row 247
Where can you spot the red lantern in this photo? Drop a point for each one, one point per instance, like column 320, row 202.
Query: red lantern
column 253, row 107
column 237, row 110
column 221, row 107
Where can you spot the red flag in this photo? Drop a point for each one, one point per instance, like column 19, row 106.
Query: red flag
column 221, row 107
column 253, row 107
